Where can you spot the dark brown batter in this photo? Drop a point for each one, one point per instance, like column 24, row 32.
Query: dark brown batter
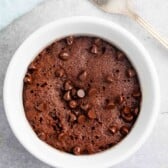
column 81, row 95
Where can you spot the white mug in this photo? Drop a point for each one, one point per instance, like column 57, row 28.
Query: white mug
column 91, row 26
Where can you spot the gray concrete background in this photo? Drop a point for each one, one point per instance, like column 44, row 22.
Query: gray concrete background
column 153, row 154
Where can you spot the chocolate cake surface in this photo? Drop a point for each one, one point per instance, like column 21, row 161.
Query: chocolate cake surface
column 81, row 95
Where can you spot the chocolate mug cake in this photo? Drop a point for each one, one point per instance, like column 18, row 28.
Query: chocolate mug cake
column 81, row 95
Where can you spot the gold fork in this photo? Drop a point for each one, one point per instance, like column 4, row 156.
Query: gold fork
column 125, row 7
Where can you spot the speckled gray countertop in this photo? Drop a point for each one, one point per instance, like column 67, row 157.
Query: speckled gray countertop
column 153, row 154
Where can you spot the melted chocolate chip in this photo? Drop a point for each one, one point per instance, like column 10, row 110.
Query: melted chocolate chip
column 32, row 67
column 83, row 76
column 110, row 105
column 94, row 49
column 91, row 114
column 59, row 73
column 64, row 56
column 124, row 130
column 120, row 99
column 128, row 117
column 77, row 150
column 135, row 111
column 97, row 41
column 92, row 91
column 40, row 106
column 68, row 85
column 85, row 106
column 67, row 96
column 126, row 110
column 70, row 40
column 109, row 79
column 77, row 112
column 81, row 119
column 42, row 136
column 73, row 104
column 72, row 117
column 120, row 56
column 131, row 73
column 73, row 92
column 28, row 79
column 136, row 94
column 113, row 129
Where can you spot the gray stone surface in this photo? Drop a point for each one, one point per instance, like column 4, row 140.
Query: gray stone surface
column 153, row 154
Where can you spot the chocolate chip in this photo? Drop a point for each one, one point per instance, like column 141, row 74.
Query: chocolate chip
column 109, row 79
column 82, row 76
column 42, row 136
column 126, row 110
column 135, row 111
column 92, row 91
column 116, row 74
column 81, row 93
column 77, row 150
column 40, row 107
column 124, row 130
column 32, row 68
column 94, row 49
column 67, row 96
column 127, row 118
column 131, row 73
column 110, row 105
column 72, row 117
column 85, row 106
column 136, row 94
column 120, row 56
column 28, row 79
column 64, row 56
column 70, row 40
column 97, row 41
column 68, row 85
column 72, row 104
column 91, row 114
column 120, row 99
column 81, row 119
column 113, row 129
column 77, row 112
column 59, row 72
column 73, row 92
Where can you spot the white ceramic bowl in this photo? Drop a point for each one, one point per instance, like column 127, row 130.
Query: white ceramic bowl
column 92, row 26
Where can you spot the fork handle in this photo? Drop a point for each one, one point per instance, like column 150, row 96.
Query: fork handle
column 149, row 28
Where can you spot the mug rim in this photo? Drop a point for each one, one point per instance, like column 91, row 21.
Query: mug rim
column 96, row 159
